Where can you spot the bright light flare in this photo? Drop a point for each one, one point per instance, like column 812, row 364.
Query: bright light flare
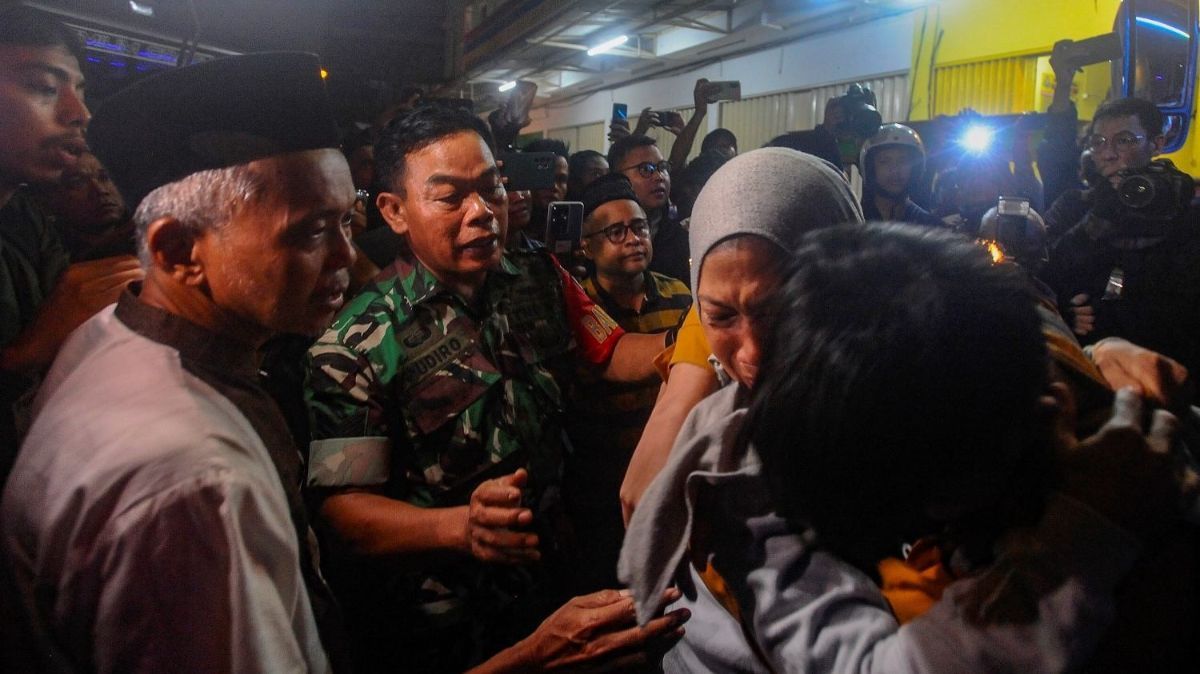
column 608, row 45
column 978, row 139
column 507, row 86
column 994, row 250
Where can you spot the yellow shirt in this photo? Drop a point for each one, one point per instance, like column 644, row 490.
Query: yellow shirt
column 690, row 347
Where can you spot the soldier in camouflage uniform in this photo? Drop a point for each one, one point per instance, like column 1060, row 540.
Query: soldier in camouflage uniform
column 436, row 400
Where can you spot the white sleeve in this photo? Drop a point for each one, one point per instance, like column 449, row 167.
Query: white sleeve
column 204, row 577
column 1039, row 610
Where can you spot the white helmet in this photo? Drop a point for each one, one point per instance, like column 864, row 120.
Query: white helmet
column 889, row 135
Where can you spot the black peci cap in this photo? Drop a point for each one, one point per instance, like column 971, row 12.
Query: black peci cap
column 212, row 115
column 606, row 188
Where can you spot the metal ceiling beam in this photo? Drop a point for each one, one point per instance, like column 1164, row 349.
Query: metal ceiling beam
column 684, row 22
column 673, row 13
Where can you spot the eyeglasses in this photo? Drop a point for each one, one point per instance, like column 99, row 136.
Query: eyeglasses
column 619, row 232
column 1125, row 140
column 647, row 169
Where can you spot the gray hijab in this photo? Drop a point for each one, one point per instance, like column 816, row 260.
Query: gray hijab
column 776, row 193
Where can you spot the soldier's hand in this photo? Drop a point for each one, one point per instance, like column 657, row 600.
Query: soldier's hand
column 495, row 519
column 1151, row 374
column 1082, row 314
column 600, row 631
column 1133, row 477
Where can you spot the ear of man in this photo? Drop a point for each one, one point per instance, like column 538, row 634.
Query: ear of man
column 394, row 209
column 173, row 250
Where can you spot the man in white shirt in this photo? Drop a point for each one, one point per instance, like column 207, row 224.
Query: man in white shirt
column 153, row 521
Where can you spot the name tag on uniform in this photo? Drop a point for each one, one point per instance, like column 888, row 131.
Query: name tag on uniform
column 443, row 374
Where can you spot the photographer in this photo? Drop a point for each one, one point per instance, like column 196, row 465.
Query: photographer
column 850, row 119
column 1129, row 267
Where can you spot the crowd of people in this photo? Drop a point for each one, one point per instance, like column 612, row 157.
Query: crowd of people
column 277, row 397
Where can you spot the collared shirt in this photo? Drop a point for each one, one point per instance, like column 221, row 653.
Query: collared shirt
column 147, row 524
column 667, row 300
column 611, row 416
column 425, row 389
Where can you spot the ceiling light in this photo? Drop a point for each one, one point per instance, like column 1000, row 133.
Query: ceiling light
column 145, row 9
column 609, row 45
column 508, row 85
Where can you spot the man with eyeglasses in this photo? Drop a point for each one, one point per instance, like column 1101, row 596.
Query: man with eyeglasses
column 1123, row 269
column 616, row 238
column 638, row 158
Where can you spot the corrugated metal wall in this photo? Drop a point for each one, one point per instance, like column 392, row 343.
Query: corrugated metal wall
column 756, row 120
column 583, row 137
column 996, row 87
column 569, row 135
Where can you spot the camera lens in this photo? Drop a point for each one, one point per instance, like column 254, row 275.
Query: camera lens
column 1136, row 191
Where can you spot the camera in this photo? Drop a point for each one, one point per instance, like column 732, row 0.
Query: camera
column 1156, row 192
column 1018, row 231
column 861, row 119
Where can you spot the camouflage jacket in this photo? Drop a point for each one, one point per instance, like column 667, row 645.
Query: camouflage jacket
column 422, row 395
column 416, row 390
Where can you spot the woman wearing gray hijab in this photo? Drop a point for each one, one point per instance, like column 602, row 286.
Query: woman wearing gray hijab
column 748, row 217
column 807, row 610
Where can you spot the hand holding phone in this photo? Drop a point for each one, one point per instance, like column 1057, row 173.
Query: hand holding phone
column 527, row 170
column 564, row 228
column 671, row 121
column 729, row 90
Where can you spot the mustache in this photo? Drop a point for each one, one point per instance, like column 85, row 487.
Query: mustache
column 72, row 142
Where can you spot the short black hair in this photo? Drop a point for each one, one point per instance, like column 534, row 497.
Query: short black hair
column 554, row 145
column 699, row 170
column 29, row 27
column 902, row 372
column 718, row 136
column 623, row 146
column 417, row 129
column 575, row 165
column 1148, row 114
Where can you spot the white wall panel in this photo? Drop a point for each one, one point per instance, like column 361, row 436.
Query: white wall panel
column 757, row 120
column 797, row 66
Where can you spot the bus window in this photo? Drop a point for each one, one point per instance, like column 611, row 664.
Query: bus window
column 1159, row 37
column 1163, row 49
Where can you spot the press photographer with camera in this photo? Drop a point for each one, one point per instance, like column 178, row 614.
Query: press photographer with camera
column 850, row 119
column 1130, row 267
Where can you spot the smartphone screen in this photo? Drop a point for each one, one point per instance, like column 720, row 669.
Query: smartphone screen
column 620, row 112
column 730, row 90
